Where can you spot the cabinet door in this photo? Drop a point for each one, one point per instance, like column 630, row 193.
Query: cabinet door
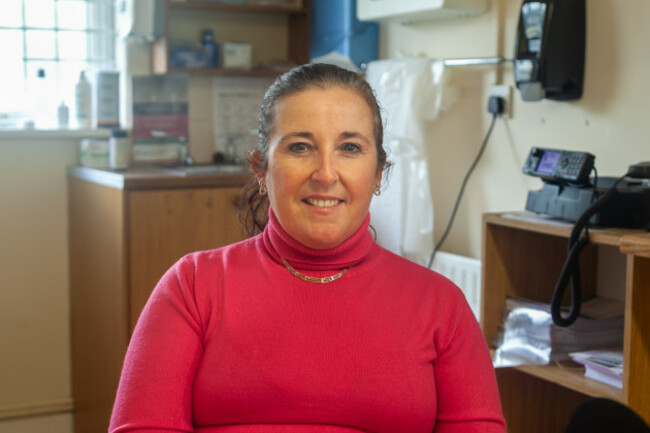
column 164, row 225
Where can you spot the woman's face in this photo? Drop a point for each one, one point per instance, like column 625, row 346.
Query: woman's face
column 322, row 165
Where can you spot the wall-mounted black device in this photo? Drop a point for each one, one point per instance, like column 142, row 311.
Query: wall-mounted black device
column 550, row 49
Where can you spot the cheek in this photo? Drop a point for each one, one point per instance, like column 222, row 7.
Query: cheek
column 279, row 184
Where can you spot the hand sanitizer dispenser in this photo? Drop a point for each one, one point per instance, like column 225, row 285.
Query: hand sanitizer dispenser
column 550, row 50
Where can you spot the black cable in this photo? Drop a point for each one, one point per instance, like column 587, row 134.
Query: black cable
column 462, row 189
column 578, row 240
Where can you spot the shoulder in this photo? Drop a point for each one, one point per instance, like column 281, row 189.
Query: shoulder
column 415, row 273
column 222, row 256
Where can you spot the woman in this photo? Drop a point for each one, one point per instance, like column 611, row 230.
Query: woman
column 309, row 326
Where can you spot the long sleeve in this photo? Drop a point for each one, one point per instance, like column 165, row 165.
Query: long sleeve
column 468, row 399
column 155, row 390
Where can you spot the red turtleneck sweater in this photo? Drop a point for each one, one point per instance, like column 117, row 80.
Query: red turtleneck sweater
column 231, row 341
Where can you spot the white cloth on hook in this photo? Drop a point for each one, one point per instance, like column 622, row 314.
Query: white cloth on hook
column 411, row 93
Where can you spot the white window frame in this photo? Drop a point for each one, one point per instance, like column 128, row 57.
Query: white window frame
column 100, row 54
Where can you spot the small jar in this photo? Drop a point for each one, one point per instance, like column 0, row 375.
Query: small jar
column 119, row 153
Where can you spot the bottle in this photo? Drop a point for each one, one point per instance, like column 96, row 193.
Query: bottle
column 63, row 115
column 119, row 154
column 42, row 105
column 82, row 102
column 209, row 49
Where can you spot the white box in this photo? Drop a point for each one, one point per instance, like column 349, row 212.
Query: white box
column 107, row 99
column 417, row 10
column 236, row 55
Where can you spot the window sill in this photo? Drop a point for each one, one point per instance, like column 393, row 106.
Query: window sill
column 30, row 134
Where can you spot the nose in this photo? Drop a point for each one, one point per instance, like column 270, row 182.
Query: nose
column 325, row 173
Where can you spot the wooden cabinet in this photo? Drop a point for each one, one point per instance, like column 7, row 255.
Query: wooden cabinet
column 279, row 35
column 523, row 258
column 125, row 231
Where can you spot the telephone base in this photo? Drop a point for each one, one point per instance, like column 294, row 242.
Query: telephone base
column 628, row 208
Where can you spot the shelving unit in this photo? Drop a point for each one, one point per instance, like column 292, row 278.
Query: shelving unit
column 523, row 258
column 278, row 34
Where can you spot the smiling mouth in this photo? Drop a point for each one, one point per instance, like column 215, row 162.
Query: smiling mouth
column 322, row 203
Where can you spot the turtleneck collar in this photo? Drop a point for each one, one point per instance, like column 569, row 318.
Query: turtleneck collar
column 349, row 253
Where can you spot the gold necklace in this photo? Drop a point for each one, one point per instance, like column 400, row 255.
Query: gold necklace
column 309, row 279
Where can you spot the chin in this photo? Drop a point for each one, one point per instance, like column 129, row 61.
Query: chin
column 323, row 242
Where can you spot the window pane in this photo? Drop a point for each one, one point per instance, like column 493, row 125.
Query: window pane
column 12, row 14
column 39, row 13
column 40, row 44
column 72, row 45
column 43, row 90
column 100, row 13
column 12, row 84
column 71, row 14
column 11, row 42
column 100, row 48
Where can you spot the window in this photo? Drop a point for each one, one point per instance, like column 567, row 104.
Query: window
column 45, row 45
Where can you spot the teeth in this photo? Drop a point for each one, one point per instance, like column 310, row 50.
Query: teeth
column 322, row 203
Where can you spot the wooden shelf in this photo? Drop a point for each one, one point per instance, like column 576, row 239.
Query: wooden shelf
column 570, row 375
column 279, row 35
column 539, row 224
column 216, row 6
column 523, row 254
column 572, row 378
column 227, row 72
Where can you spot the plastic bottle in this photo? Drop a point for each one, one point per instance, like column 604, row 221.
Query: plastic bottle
column 41, row 103
column 209, row 49
column 63, row 115
column 83, row 102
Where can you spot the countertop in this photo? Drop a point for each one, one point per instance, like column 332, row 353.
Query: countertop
column 145, row 178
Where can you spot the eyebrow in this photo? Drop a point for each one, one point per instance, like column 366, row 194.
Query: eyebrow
column 299, row 134
column 344, row 135
column 352, row 134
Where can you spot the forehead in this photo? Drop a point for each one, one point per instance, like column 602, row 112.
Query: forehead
column 316, row 103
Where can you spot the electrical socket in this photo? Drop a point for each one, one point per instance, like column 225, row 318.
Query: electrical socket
column 503, row 91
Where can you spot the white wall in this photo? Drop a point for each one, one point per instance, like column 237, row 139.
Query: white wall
column 610, row 120
column 34, row 304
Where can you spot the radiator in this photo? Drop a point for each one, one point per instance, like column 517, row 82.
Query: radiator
column 465, row 272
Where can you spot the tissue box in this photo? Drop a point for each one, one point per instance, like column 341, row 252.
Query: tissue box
column 235, row 55
column 93, row 153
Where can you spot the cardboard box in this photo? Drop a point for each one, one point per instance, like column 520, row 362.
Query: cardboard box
column 236, row 55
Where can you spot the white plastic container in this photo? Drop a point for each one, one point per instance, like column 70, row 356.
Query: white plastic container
column 119, row 152
column 63, row 115
column 83, row 102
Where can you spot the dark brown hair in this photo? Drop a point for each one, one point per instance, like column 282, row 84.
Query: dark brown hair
column 253, row 207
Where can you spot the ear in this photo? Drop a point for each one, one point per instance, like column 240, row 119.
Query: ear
column 255, row 163
column 380, row 172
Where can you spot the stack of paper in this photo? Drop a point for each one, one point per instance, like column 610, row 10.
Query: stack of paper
column 602, row 365
column 529, row 335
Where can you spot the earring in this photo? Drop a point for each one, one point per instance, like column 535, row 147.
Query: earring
column 377, row 190
column 262, row 189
